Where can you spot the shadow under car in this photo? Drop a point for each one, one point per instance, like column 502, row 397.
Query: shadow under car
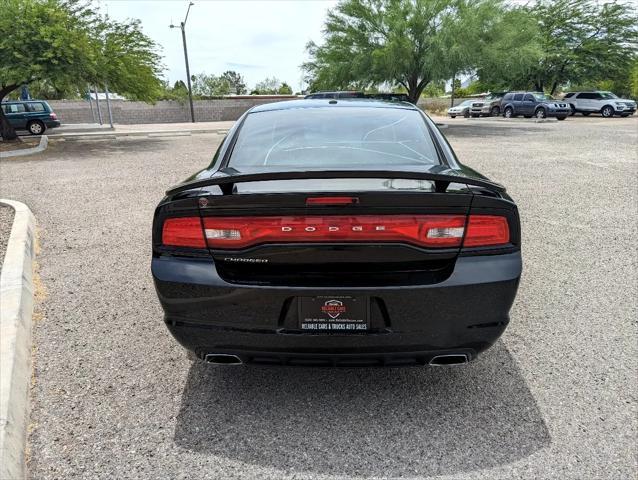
column 381, row 422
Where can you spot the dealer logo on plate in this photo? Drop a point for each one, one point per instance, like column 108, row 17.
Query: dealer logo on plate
column 333, row 308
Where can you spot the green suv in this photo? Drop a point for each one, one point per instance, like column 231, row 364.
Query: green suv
column 32, row 115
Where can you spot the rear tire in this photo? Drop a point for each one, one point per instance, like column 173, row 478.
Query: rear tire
column 466, row 114
column 561, row 118
column 495, row 111
column 586, row 114
column 540, row 113
column 36, row 127
column 509, row 112
column 453, row 116
column 573, row 111
column 527, row 116
column 607, row 111
column 474, row 115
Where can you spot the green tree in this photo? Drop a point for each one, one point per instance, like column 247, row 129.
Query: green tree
column 126, row 60
column 583, row 41
column 178, row 91
column 402, row 42
column 511, row 52
column 236, row 82
column 66, row 44
column 210, row 85
column 284, row 89
column 268, row 86
column 434, row 89
column 633, row 81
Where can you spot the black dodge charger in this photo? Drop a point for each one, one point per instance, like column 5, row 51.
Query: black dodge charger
column 336, row 233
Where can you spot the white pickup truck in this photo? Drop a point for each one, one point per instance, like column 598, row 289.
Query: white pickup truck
column 605, row 103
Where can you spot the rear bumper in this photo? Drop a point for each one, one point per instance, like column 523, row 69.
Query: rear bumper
column 466, row 314
column 52, row 123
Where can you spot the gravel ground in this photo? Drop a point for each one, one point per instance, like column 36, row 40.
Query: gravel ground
column 6, row 222
column 115, row 396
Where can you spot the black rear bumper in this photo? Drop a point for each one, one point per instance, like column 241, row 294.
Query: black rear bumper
column 466, row 314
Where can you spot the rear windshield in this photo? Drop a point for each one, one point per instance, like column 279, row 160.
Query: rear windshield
column 334, row 137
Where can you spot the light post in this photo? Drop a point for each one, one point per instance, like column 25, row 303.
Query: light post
column 182, row 25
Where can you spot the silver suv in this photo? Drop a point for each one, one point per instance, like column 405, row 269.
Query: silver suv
column 605, row 103
column 490, row 106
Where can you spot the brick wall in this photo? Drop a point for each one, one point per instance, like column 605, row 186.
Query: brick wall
column 126, row 112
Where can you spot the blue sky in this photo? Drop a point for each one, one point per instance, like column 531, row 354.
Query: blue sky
column 257, row 38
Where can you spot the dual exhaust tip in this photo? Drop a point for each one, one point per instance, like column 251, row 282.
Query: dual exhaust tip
column 437, row 361
column 222, row 359
column 450, row 359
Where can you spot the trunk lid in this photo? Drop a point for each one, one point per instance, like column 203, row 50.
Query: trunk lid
column 332, row 259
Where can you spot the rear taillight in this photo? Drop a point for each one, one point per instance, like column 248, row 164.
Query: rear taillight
column 432, row 231
column 422, row 230
column 183, row 232
column 486, row 230
column 53, row 116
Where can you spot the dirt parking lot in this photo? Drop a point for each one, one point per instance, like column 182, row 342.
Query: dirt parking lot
column 115, row 397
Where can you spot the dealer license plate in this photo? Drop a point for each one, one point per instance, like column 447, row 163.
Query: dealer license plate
column 338, row 314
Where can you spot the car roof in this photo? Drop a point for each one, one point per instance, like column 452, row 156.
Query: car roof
column 332, row 103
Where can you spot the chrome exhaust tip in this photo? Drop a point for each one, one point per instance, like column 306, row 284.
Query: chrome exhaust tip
column 222, row 359
column 450, row 359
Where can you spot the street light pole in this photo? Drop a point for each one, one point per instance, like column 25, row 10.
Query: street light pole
column 188, row 70
column 188, row 73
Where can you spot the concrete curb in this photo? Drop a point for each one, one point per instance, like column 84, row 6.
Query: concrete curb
column 44, row 143
column 143, row 133
column 16, row 310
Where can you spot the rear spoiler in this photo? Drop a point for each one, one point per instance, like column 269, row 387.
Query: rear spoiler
column 441, row 180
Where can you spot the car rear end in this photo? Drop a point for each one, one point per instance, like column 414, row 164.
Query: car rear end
column 342, row 267
column 49, row 117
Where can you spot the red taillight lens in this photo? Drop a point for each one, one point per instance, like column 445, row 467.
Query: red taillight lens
column 53, row 116
column 183, row 232
column 422, row 230
column 433, row 231
column 486, row 230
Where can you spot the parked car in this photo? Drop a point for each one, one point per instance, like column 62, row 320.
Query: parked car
column 334, row 95
column 475, row 107
column 462, row 109
column 533, row 104
column 490, row 106
column 336, row 234
column 391, row 97
column 605, row 103
column 32, row 115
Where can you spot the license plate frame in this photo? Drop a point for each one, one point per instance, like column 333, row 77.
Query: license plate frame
column 344, row 314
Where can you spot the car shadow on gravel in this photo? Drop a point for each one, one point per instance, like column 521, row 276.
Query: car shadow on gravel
column 381, row 422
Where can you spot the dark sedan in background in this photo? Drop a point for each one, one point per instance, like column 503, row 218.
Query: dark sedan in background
column 35, row 116
column 336, row 233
